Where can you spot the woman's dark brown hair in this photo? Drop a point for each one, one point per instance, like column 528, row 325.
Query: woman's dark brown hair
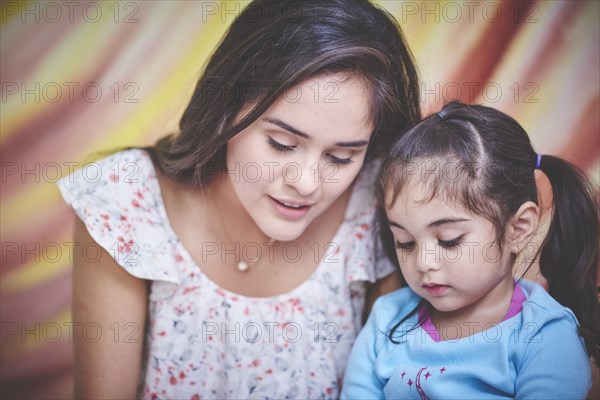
column 272, row 46
column 492, row 175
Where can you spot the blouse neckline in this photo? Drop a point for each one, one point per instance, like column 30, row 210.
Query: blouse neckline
column 349, row 213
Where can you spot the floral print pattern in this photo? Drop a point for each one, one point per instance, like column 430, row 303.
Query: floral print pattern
column 203, row 341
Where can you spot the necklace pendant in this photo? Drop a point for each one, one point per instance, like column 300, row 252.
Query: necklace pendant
column 242, row 266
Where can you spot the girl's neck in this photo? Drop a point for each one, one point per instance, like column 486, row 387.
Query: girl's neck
column 485, row 313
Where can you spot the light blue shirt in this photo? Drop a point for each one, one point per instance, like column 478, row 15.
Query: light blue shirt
column 534, row 354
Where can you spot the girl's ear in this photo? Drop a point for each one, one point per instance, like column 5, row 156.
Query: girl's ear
column 522, row 226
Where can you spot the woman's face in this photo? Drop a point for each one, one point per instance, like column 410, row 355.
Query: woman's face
column 297, row 158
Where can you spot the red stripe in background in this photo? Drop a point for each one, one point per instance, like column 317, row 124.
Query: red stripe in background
column 40, row 43
column 45, row 137
column 479, row 64
column 43, row 373
column 554, row 39
column 583, row 148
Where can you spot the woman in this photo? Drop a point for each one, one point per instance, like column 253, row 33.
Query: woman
column 235, row 254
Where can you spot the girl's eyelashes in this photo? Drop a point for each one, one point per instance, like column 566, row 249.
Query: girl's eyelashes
column 405, row 245
column 287, row 148
column 448, row 244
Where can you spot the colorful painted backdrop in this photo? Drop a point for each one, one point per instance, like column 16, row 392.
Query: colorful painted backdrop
column 83, row 76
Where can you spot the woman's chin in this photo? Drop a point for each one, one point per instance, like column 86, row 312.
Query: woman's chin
column 283, row 236
column 284, row 233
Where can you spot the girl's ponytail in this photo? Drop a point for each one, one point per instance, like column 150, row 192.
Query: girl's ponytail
column 569, row 253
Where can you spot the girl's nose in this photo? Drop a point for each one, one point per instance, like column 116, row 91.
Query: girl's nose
column 428, row 257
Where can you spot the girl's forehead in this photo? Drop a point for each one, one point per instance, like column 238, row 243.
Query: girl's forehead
column 438, row 170
column 422, row 179
column 418, row 194
column 416, row 217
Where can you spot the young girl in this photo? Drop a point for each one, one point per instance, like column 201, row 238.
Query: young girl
column 461, row 202
column 234, row 254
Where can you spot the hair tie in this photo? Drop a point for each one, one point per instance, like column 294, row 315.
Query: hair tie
column 539, row 161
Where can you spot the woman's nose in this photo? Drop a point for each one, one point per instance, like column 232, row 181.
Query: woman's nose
column 305, row 178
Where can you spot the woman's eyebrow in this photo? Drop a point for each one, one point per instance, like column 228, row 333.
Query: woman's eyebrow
column 297, row 132
column 358, row 143
column 287, row 127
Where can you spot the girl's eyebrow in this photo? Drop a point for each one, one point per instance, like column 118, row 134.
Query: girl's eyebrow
column 446, row 221
column 291, row 129
column 434, row 223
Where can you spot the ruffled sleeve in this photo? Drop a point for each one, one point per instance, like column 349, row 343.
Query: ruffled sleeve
column 119, row 201
column 362, row 261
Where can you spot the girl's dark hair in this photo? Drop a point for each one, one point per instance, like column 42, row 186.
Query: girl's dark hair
column 273, row 46
column 484, row 159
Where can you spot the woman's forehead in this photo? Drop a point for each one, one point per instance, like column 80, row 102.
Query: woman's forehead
column 327, row 105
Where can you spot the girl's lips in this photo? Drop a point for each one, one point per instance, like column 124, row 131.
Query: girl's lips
column 436, row 290
column 290, row 209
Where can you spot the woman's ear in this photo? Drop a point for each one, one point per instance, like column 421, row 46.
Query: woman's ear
column 522, row 226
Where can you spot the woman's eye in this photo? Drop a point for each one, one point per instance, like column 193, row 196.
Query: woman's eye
column 287, row 148
column 279, row 146
column 342, row 161
column 405, row 245
column 448, row 244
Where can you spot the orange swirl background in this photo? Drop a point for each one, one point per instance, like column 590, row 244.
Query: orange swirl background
column 79, row 77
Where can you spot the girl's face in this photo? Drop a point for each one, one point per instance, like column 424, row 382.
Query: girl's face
column 295, row 160
column 448, row 255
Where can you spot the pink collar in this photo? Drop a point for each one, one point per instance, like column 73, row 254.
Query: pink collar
column 516, row 305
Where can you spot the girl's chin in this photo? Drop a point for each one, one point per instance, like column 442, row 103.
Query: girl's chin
column 444, row 306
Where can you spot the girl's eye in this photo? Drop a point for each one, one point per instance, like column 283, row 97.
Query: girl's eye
column 448, row 244
column 341, row 161
column 405, row 245
column 279, row 146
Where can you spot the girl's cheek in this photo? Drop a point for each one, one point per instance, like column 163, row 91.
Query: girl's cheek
column 452, row 255
column 405, row 264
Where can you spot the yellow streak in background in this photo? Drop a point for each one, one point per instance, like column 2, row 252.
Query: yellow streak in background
column 56, row 68
column 6, row 19
column 40, row 196
column 53, row 259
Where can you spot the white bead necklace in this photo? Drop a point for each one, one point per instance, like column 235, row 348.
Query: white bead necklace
column 242, row 265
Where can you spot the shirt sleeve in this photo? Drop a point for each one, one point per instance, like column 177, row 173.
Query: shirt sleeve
column 555, row 364
column 118, row 199
column 361, row 380
column 383, row 265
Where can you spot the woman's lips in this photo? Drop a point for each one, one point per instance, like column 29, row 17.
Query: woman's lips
column 435, row 289
column 290, row 209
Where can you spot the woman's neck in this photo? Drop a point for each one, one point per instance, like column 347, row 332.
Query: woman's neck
column 229, row 218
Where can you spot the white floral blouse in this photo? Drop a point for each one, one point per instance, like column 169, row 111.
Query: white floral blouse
column 203, row 341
